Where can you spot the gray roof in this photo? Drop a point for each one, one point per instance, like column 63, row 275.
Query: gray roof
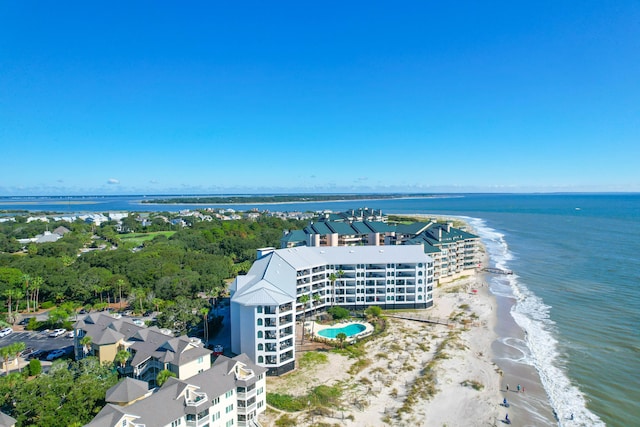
column 167, row 403
column 127, row 391
column 143, row 342
column 6, row 420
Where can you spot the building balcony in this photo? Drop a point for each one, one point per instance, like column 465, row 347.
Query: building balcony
column 196, row 399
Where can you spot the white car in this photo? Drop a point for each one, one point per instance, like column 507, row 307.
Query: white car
column 71, row 334
column 4, row 332
column 55, row 354
column 57, row 332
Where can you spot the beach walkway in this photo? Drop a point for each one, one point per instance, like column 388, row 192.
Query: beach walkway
column 422, row 319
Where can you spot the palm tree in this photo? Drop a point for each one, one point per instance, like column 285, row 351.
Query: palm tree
column 4, row 353
column 304, row 299
column 17, row 294
column 333, row 277
column 121, row 357
column 163, row 376
column 36, row 284
column 120, row 284
column 9, row 294
column 86, row 342
column 316, row 300
column 26, row 279
column 16, row 348
column 205, row 312
column 341, row 337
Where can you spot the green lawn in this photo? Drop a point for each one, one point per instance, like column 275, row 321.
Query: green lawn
column 138, row 238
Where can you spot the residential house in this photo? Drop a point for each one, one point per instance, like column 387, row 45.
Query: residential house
column 151, row 350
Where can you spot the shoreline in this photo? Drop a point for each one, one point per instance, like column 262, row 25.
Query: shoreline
column 469, row 362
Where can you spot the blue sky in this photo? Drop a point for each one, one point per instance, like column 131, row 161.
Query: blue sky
column 261, row 97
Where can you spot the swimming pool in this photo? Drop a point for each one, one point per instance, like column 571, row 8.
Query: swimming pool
column 349, row 331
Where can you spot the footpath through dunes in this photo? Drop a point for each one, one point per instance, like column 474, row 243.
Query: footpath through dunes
column 414, row 373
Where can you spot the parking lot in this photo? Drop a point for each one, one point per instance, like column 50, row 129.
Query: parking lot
column 37, row 340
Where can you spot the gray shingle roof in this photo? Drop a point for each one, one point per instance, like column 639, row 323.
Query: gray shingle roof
column 127, row 390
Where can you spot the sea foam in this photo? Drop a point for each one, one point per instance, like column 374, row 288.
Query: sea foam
column 540, row 348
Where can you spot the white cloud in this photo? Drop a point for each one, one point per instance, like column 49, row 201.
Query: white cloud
column 113, row 181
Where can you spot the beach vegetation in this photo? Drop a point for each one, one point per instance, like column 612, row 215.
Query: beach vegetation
column 287, row 402
column 313, row 358
column 359, row 365
column 476, row 385
column 286, row 420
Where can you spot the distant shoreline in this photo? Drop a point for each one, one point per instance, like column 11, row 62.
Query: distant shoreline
column 280, row 199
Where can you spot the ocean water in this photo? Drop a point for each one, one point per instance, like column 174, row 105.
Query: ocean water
column 576, row 284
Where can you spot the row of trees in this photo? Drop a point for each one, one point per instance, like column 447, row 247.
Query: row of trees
column 196, row 259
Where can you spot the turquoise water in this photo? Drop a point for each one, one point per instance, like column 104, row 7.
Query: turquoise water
column 349, row 331
column 576, row 263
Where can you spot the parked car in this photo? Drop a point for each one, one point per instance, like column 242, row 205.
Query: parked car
column 57, row 332
column 24, row 321
column 27, row 352
column 4, row 332
column 147, row 313
column 71, row 334
column 138, row 322
column 55, row 354
column 37, row 354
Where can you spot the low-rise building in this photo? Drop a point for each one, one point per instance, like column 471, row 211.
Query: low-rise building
column 151, row 350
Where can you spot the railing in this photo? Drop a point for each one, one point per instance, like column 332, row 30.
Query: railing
column 198, row 400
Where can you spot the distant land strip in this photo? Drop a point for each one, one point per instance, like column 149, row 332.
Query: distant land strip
column 280, row 198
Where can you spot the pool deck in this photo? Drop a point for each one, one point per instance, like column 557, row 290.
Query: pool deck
column 313, row 328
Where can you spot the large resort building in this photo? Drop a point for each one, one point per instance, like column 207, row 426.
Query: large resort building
column 453, row 250
column 266, row 302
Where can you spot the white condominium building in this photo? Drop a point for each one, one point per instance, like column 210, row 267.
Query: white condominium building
column 266, row 302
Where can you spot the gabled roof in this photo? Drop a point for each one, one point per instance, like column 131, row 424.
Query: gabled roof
column 413, row 228
column 167, row 403
column 294, row 236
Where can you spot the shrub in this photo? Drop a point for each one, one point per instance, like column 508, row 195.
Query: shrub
column 373, row 311
column 32, row 325
column 35, row 367
column 286, row 402
column 338, row 312
column 47, row 305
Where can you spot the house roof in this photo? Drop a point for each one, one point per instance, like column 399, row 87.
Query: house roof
column 6, row 420
column 127, row 390
column 167, row 403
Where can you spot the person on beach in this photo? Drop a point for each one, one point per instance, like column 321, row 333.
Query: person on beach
column 507, row 387
column 504, row 403
column 518, row 388
column 506, row 418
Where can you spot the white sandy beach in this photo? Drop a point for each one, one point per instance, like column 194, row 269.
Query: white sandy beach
column 382, row 392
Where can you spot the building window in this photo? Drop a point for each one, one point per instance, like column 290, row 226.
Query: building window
column 215, row 401
column 200, row 359
column 260, row 359
column 259, row 334
column 260, row 347
column 229, row 394
column 259, row 309
column 228, row 409
column 259, row 322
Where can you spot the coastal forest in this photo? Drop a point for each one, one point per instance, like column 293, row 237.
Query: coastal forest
column 149, row 266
